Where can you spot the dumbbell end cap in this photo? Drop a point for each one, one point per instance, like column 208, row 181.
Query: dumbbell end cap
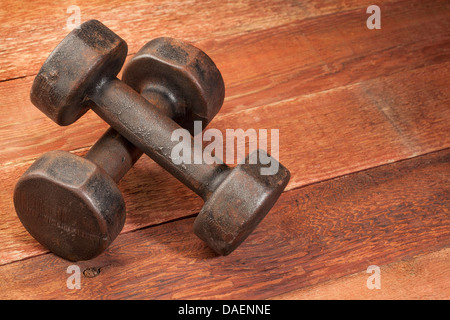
column 69, row 205
column 239, row 204
column 180, row 73
column 86, row 55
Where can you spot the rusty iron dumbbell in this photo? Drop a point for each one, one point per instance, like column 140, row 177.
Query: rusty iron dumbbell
column 72, row 205
column 81, row 73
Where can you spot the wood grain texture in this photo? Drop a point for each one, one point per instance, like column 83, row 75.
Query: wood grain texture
column 331, row 142
column 422, row 278
column 261, row 68
column 344, row 98
column 34, row 29
column 314, row 234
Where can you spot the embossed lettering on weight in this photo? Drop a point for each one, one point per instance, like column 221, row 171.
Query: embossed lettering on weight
column 37, row 207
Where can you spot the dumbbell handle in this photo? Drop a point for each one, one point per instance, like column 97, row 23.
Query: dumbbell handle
column 115, row 154
column 150, row 130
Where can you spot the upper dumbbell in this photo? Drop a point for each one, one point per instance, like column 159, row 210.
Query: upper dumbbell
column 235, row 200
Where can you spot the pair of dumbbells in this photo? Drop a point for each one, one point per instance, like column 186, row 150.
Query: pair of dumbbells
column 72, row 205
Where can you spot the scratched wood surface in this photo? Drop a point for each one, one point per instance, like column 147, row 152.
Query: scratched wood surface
column 424, row 277
column 314, row 234
column 345, row 99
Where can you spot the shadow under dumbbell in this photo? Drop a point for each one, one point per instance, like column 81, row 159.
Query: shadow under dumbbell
column 153, row 197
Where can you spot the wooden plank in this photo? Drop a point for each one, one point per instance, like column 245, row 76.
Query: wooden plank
column 422, row 278
column 421, row 125
column 314, row 234
column 326, row 52
column 318, row 141
column 30, row 32
column 298, row 66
